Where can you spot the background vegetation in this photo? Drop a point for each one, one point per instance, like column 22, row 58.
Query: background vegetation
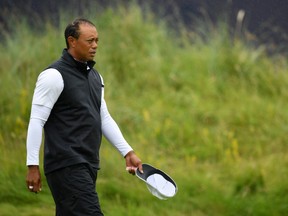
column 211, row 113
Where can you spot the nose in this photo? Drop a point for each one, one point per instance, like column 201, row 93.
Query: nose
column 95, row 45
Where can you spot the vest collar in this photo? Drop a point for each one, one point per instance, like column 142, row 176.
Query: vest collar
column 82, row 66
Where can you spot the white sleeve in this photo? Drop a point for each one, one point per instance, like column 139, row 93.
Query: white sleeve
column 48, row 88
column 39, row 115
column 111, row 130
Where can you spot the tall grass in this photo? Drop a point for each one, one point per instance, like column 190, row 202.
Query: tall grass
column 212, row 114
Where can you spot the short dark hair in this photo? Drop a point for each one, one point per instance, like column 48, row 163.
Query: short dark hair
column 72, row 29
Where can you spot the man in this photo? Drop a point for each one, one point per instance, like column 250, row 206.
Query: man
column 69, row 103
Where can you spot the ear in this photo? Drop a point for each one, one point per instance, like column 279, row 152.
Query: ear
column 71, row 41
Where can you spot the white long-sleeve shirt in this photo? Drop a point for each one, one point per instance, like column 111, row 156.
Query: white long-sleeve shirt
column 48, row 88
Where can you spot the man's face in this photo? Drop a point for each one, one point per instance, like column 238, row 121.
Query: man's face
column 84, row 48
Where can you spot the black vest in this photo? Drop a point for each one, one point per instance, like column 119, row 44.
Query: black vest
column 73, row 129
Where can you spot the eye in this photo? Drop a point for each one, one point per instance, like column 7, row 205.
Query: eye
column 90, row 41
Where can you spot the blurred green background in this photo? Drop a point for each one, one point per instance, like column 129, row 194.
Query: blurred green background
column 209, row 111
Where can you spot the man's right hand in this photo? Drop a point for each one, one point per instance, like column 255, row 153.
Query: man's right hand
column 33, row 179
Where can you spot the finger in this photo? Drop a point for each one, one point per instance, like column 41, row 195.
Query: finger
column 131, row 170
column 28, row 183
column 31, row 187
column 38, row 187
column 140, row 168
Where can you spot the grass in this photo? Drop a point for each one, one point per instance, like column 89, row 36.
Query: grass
column 212, row 114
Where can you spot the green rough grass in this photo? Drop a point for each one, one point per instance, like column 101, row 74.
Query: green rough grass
column 212, row 114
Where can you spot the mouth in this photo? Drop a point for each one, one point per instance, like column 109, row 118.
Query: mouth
column 93, row 53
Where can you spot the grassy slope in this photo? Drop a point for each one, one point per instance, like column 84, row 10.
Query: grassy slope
column 212, row 115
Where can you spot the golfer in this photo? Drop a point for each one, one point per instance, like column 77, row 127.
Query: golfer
column 69, row 103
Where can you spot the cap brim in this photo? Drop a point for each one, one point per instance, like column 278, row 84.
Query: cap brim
column 158, row 182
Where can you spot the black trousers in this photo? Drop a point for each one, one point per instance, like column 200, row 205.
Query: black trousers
column 74, row 191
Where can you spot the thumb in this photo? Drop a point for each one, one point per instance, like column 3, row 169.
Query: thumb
column 140, row 168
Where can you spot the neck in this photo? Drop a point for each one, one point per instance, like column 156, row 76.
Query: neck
column 74, row 56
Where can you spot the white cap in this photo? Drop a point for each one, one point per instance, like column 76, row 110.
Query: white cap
column 159, row 183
